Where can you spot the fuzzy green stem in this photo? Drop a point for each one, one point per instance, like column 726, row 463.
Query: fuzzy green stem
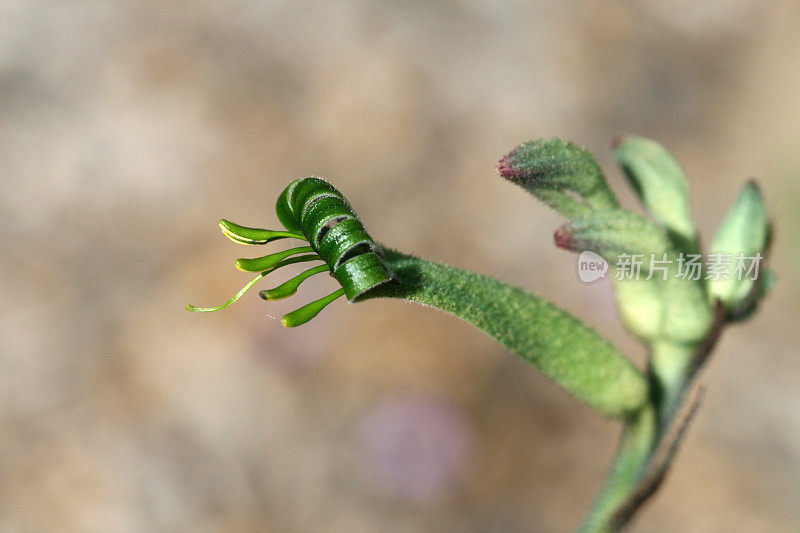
column 670, row 369
column 555, row 342
column 670, row 373
column 638, row 442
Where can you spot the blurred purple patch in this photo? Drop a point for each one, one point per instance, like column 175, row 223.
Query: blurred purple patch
column 415, row 448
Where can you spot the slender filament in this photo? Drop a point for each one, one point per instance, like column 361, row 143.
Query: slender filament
column 229, row 302
column 288, row 261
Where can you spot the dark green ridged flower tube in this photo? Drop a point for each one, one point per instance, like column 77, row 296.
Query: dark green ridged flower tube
column 335, row 233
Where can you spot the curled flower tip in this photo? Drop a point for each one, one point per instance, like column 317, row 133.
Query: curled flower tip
column 312, row 210
column 300, row 316
column 270, row 261
column 290, row 287
column 564, row 239
column 252, row 236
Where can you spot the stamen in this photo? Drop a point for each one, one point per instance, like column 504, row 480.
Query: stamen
column 290, row 287
column 288, row 261
column 250, row 236
column 300, row 316
column 229, row 302
column 269, row 261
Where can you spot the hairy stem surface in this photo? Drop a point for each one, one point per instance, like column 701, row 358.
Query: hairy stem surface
column 555, row 342
column 575, row 357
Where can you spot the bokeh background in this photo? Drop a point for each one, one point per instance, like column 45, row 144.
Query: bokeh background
column 127, row 129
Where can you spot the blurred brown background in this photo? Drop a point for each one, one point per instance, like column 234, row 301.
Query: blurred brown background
column 127, row 129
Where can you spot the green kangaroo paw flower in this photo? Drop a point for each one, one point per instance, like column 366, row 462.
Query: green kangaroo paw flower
column 251, row 236
column 269, row 261
column 300, row 316
column 290, row 287
column 669, row 301
column 313, row 210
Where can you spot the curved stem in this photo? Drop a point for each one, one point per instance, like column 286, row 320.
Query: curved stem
column 670, row 367
column 562, row 347
column 579, row 360
column 636, row 447
column 637, row 470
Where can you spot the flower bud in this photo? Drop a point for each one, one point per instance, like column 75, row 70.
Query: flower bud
column 742, row 243
column 612, row 233
column 654, row 303
column 559, row 173
column 658, row 180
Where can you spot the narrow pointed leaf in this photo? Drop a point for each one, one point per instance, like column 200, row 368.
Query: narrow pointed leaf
column 744, row 235
column 660, row 183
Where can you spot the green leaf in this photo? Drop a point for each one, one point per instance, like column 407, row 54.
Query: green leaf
column 660, row 183
column 559, row 173
column 744, row 234
column 555, row 342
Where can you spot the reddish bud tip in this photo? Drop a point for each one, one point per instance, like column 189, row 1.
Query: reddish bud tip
column 753, row 182
column 506, row 168
column 564, row 239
